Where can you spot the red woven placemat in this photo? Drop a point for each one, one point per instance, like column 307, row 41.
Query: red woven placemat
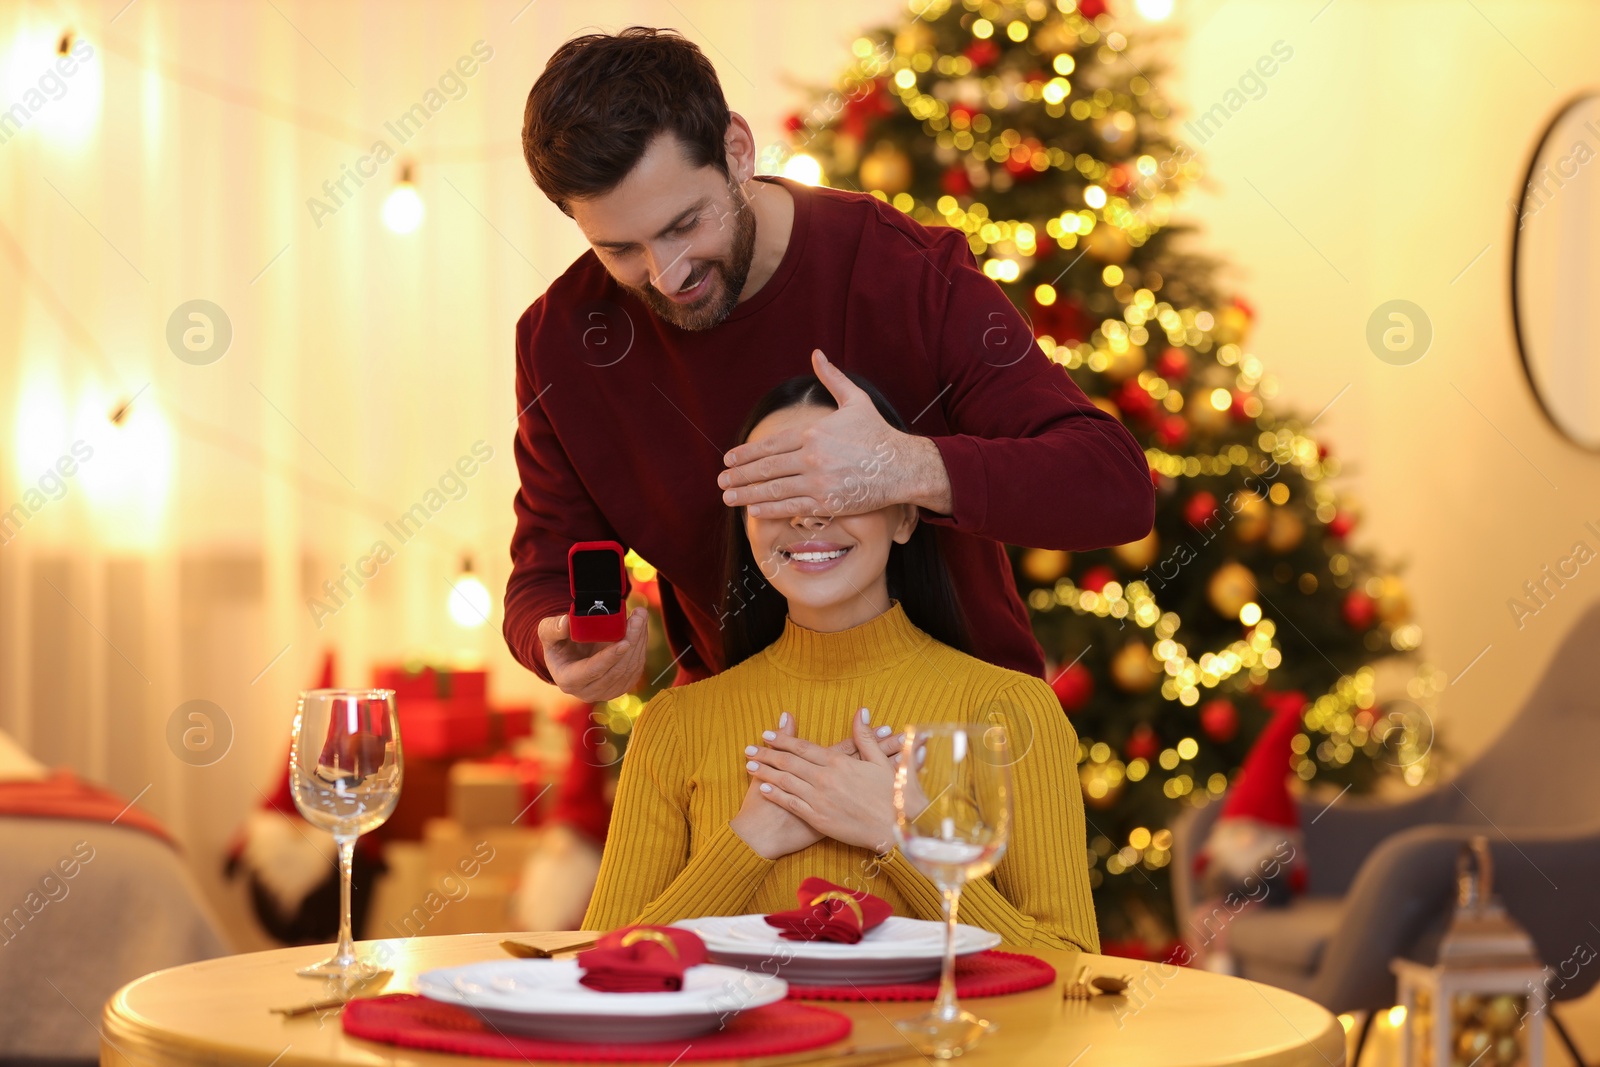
column 983, row 974
column 417, row 1022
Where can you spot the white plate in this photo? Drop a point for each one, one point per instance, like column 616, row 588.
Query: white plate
column 543, row 998
column 897, row 950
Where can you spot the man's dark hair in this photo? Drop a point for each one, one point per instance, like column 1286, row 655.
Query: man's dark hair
column 603, row 98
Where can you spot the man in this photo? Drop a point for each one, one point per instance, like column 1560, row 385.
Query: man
column 704, row 287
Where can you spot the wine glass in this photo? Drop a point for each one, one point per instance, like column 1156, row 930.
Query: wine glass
column 345, row 770
column 952, row 802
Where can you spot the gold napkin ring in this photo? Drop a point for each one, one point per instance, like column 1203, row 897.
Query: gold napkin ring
column 839, row 894
column 634, row 936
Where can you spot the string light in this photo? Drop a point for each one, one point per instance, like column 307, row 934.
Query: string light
column 403, row 210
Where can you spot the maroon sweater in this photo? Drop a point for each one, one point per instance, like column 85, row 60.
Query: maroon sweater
column 625, row 420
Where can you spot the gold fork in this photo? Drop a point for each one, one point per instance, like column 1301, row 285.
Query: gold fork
column 1079, row 988
column 354, row 990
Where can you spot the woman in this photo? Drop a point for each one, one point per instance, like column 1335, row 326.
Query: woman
column 837, row 631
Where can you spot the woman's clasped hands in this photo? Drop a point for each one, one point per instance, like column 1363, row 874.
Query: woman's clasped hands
column 801, row 792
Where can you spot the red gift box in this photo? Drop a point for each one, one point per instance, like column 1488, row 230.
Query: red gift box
column 439, row 729
column 471, row 687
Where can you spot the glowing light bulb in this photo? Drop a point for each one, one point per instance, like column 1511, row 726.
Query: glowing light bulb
column 403, row 210
column 469, row 598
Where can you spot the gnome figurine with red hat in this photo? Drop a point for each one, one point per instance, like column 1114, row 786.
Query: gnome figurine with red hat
column 1254, row 855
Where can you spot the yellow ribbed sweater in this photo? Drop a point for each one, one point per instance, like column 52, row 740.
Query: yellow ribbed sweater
column 671, row 854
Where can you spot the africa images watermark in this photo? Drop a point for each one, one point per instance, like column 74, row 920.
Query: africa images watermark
column 452, row 85
column 48, row 88
column 452, row 486
column 1538, row 191
column 51, row 486
column 1552, row 579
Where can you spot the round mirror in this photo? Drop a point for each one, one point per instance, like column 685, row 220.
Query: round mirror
column 1555, row 271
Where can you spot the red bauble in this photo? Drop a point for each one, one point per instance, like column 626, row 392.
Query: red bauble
column 1219, row 719
column 1359, row 610
column 1236, row 409
column 1199, row 508
column 982, row 52
column 1172, row 363
column 1155, row 477
column 1173, row 431
column 1020, row 165
column 1142, row 744
column 1285, row 702
column 1064, row 320
column 956, row 181
column 1090, row 9
column 1134, row 401
column 1073, row 686
column 862, row 112
column 794, row 123
column 1095, row 578
column 1322, row 450
column 1341, row 524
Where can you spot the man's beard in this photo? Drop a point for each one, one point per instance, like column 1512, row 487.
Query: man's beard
column 731, row 271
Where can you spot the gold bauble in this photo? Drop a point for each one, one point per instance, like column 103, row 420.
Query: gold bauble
column 1394, row 607
column 1139, row 554
column 917, row 37
column 1105, row 404
column 1285, row 531
column 1250, row 517
column 1231, row 588
column 1232, row 324
column 1096, row 778
column 1472, row 1042
column 1044, row 565
column 1124, row 364
column 886, row 168
column 1203, row 415
column 1132, row 668
column 1108, row 244
column 1502, row 1014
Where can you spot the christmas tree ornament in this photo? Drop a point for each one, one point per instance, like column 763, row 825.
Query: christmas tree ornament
column 1200, row 509
column 1250, row 517
column 1139, row 554
column 1107, row 405
column 956, row 181
column 1108, row 244
column 886, row 169
column 1044, row 565
column 1123, row 363
column 1172, row 364
column 1341, row 524
column 1232, row 323
column 1172, row 431
column 1285, row 531
column 1359, row 610
column 1134, row 401
column 1073, row 686
column 1097, row 578
column 1394, row 608
column 1204, row 415
column 1142, row 744
column 1219, row 719
column 1231, row 587
column 1132, row 668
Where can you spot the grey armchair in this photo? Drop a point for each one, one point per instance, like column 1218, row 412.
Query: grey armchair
column 1382, row 876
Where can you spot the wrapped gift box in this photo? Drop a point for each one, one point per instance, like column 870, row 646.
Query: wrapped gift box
column 486, row 793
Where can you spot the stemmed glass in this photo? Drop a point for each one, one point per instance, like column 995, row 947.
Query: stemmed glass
column 345, row 770
column 952, row 802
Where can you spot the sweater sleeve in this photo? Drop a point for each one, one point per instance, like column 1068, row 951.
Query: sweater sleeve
column 1019, row 421
column 1038, row 895
column 650, row 871
column 553, row 508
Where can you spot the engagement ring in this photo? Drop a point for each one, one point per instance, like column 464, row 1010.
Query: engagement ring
column 599, row 609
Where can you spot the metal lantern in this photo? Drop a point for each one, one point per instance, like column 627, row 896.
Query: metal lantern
column 1483, row 1003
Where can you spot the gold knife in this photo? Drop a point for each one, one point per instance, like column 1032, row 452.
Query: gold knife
column 523, row 950
column 362, row 987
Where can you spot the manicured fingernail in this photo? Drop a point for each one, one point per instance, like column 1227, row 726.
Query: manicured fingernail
column 752, row 766
column 769, row 735
column 922, row 754
column 765, row 788
column 783, row 720
column 885, row 731
column 866, row 716
column 751, row 750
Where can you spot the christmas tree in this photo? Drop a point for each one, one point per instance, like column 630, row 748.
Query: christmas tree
column 1036, row 128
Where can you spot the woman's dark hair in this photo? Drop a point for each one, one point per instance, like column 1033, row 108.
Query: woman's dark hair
column 752, row 611
column 603, row 98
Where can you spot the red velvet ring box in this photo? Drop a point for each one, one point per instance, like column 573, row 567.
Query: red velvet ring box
column 599, row 591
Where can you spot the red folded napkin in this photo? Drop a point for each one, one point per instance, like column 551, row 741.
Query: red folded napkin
column 641, row 959
column 829, row 912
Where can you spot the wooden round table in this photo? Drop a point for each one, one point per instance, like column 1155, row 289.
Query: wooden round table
column 217, row 1012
